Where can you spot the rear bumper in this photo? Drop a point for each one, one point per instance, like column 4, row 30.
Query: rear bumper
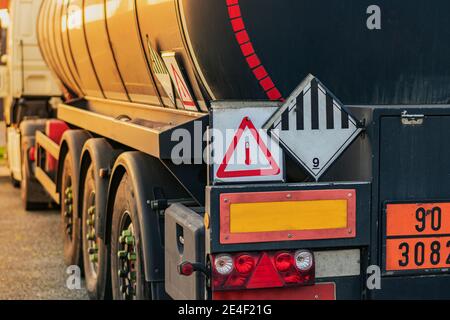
column 321, row 291
column 340, row 261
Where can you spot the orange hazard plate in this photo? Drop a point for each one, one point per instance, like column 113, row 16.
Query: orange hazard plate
column 417, row 236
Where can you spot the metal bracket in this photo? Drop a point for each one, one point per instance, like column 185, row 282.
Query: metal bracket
column 412, row 119
column 45, row 144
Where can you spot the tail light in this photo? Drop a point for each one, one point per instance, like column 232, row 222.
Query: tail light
column 262, row 270
column 244, row 264
column 303, row 260
column 223, row 264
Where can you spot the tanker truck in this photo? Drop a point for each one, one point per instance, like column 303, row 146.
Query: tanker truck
column 249, row 149
column 29, row 92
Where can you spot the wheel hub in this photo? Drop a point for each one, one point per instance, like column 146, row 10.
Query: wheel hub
column 127, row 263
column 92, row 236
column 68, row 212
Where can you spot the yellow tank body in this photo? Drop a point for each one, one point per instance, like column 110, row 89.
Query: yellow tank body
column 104, row 49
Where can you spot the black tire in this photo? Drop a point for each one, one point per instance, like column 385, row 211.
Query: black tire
column 70, row 222
column 34, row 197
column 95, row 252
column 15, row 183
column 25, row 191
column 125, row 219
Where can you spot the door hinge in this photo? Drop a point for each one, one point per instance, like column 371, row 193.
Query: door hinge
column 412, row 119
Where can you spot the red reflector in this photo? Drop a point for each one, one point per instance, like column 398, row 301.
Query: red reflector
column 31, row 154
column 292, row 278
column 265, row 275
column 236, row 281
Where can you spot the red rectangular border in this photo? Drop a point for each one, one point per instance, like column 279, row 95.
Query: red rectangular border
column 319, row 291
column 226, row 200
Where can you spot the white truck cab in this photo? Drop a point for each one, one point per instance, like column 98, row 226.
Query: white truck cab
column 24, row 77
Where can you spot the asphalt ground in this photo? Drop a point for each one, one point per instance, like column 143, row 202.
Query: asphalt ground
column 31, row 252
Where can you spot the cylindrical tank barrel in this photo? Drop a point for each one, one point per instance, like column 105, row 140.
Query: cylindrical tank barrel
column 396, row 52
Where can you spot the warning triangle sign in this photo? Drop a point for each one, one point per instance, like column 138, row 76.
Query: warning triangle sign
column 183, row 91
column 179, row 80
column 242, row 147
column 264, row 275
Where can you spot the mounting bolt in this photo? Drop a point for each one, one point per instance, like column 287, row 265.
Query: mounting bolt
column 129, row 240
column 104, row 172
column 129, row 291
column 91, row 236
column 91, row 210
column 93, row 258
column 126, row 233
column 122, row 273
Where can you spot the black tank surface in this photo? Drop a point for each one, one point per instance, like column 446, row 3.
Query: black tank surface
column 259, row 49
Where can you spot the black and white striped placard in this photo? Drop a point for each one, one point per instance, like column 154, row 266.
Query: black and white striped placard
column 313, row 126
column 314, row 109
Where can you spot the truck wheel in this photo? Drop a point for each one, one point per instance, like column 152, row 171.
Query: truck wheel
column 127, row 269
column 70, row 223
column 95, row 251
column 15, row 183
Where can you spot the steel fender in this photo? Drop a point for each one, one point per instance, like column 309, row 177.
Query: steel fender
column 72, row 141
column 36, row 193
column 102, row 155
column 147, row 175
column 28, row 128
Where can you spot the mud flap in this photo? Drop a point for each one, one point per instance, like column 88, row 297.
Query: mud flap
column 184, row 241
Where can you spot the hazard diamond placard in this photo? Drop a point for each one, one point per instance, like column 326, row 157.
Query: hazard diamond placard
column 241, row 150
column 313, row 126
column 178, row 79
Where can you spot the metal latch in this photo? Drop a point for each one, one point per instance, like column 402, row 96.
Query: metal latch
column 412, row 119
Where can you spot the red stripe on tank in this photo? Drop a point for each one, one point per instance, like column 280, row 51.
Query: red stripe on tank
column 248, row 51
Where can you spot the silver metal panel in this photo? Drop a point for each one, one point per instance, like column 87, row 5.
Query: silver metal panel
column 341, row 263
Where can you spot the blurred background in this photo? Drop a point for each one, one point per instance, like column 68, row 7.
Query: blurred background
column 31, row 263
column 4, row 24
